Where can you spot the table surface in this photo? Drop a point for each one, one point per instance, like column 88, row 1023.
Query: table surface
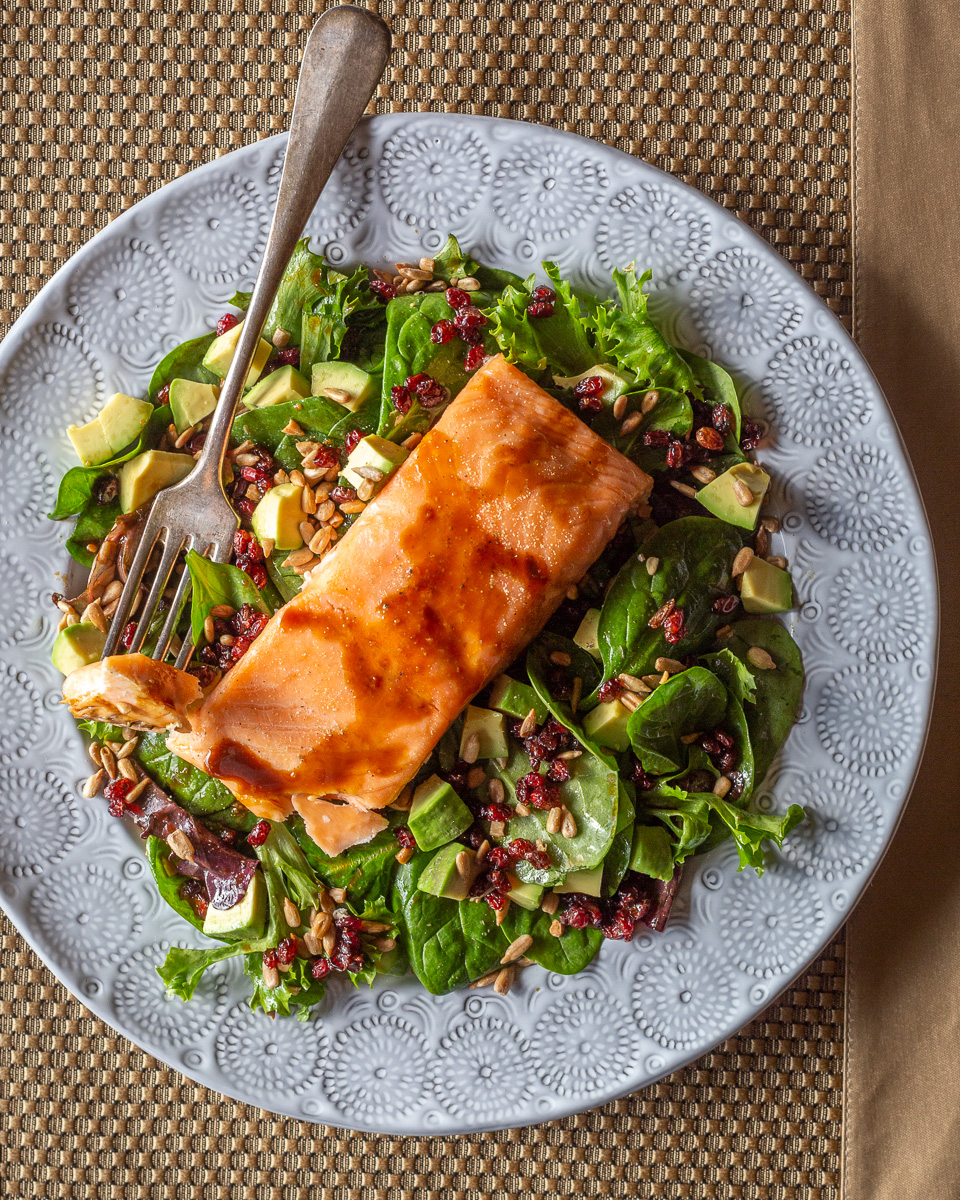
column 104, row 103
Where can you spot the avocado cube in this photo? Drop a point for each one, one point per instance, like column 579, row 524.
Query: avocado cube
column 142, row 477
column 90, row 443
column 280, row 386
column 77, row 646
column 526, row 895
column 118, row 423
column 278, row 516
column 586, row 636
column 724, row 495
column 516, row 699
column 440, row 876
column 491, row 729
column 222, row 349
column 343, row 377
column 437, row 814
column 614, row 383
column 190, row 402
column 374, row 453
column 607, row 725
column 589, row 881
column 765, row 588
column 245, row 920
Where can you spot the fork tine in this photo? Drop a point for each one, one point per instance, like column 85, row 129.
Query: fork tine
column 170, row 624
column 148, row 539
column 171, row 550
column 217, row 550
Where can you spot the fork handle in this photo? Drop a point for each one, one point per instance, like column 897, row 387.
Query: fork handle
column 344, row 57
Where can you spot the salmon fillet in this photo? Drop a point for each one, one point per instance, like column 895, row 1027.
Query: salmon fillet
column 442, row 580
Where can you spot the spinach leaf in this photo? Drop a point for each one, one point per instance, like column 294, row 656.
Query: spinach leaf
column 93, row 524
column 617, row 858
column 77, row 487
column 366, row 871
column 303, row 281
column 692, row 701
column 240, row 300
column 778, row 692
column 718, row 388
column 694, row 556
column 628, row 337
column 316, row 416
column 197, row 792
column 218, row 583
column 287, row 582
column 568, row 954
column 651, row 852
column 450, row 262
column 448, row 943
column 183, row 362
column 168, row 885
column 583, row 666
column 735, row 674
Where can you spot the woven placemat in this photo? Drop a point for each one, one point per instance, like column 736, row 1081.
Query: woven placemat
column 101, row 104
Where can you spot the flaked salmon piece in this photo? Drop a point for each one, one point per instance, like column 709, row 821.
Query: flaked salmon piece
column 132, row 690
column 443, row 579
column 336, row 827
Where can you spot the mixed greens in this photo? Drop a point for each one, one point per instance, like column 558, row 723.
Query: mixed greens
column 559, row 808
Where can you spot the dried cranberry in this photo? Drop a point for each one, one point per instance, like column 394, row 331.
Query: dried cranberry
column 382, row 289
column 500, row 856
column 270, row 959
column 457, row 297
column 495, row 812
column 228, row 836
column 709, row 438
column 525, row 849
column 471, row 334
column 126, row 638
column 289, row 356
column 105, row 489
column 610, row 689
column 227, row 322
column 726, row 604
column 245, row 507
column 474, row 837
column 539, row 309
column 590, row 404
column 342, row 494
column 443, row 332
column 320, row 967
column 542, row 292
column 618, row 926
column 593, row 385
column 347, row 923
column 581, row 911
column 474, row 358
column 469, row 317
column 724, row 739
column 404, row 837
column 286, row 951
column 656, row 439
column 401, row 398
column 163, row 396
column 259, row 833
column 722, row 418
column 675, row 454
column 674, row 629
column 430, row 392
column 116, row 793
column 496, row 900
column 559, row 772
column 352, row 440
column 245, row 545
column 750, row 435
column 641, row 779
column 195, row 893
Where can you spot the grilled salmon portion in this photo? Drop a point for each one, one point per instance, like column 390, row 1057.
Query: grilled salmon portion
column 443, row 579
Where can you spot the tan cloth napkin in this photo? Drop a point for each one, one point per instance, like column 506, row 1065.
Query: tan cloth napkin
column 902, row 1082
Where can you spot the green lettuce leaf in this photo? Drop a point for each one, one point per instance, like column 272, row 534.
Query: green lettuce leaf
column 326, row 320
column 297, row 992
column 303, row 282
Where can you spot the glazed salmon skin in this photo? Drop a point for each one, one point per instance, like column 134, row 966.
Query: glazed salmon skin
column 441, row 581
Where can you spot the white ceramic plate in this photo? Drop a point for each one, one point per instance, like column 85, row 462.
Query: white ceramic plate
column 394, row 1058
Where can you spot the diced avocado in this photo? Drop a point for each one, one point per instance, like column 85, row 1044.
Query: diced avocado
column 490, row 727
column 437, row 814
column 246, row 919
column 77, row 646
column 142, row 477
column 440, row 876
column 607, row 725
column 652, row 851
column 527, row 895
column 765, row 588
column 516, row 699
column 286, row 383
column 375, row 452
column 720, row 496
column 615, row 384
column 278, row 516
column 586, row 635
column 118, row 423
column 342, row 377
column 190, row 402
column 588, row 881
column 90, row 442
column 222, row 349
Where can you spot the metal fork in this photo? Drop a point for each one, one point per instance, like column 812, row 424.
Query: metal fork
column 344, row 57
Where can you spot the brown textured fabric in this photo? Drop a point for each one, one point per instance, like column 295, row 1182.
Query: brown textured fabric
column 903, row 1049
column 102, row 103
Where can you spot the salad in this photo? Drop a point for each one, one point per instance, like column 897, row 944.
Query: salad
column 559, row 807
